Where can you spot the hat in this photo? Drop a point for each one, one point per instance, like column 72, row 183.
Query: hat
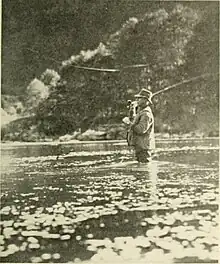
column 144, row 93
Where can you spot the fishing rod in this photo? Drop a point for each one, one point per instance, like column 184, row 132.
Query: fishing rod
column 132, row 105
column 126, row 67
column 94, row 68
column 183, row 82
column 132, row 67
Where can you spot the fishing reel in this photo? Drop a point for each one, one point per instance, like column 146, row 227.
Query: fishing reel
column 132, row 112
column 132, row 108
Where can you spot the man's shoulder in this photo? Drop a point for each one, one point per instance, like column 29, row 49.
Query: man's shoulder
column 147, row 110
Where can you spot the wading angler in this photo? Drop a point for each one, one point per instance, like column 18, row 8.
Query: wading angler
column 140, row 133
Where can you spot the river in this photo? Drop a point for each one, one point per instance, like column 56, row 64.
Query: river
column 81, row 202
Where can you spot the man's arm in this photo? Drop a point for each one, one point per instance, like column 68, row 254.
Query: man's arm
column 142, row 125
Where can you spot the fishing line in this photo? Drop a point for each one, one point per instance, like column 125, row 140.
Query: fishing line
column 132, row 67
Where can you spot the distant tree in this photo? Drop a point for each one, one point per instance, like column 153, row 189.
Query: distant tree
column 157, row 39
column 161, row 40
column 175, row 41
column 203, row 57
column 50, row 78
column 198, row 102
column 56, row 29
column 36, row 92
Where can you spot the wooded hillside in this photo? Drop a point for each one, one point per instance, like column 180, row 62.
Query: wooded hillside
column 175, row 41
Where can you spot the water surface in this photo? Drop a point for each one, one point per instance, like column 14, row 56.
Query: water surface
column 79, row 202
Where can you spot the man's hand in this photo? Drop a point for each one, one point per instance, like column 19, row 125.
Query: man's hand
column 126, row 120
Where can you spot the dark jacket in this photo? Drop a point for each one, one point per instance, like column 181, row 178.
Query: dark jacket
column 141, row 133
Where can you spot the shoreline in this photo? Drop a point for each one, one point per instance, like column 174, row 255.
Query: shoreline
column 118, row 142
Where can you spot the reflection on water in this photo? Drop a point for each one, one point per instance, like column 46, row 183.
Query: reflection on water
column 77, row 203
column 153, row 171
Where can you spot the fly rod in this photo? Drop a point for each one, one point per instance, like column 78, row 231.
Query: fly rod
column 132, row 105
column 127, row 67
column 183, row 82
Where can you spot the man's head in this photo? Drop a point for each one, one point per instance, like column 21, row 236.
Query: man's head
column 142, row 102
column 144, row 98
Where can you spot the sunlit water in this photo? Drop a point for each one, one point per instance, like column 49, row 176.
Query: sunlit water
column 83, row 202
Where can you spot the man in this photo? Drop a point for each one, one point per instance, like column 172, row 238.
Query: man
column 141, row 131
